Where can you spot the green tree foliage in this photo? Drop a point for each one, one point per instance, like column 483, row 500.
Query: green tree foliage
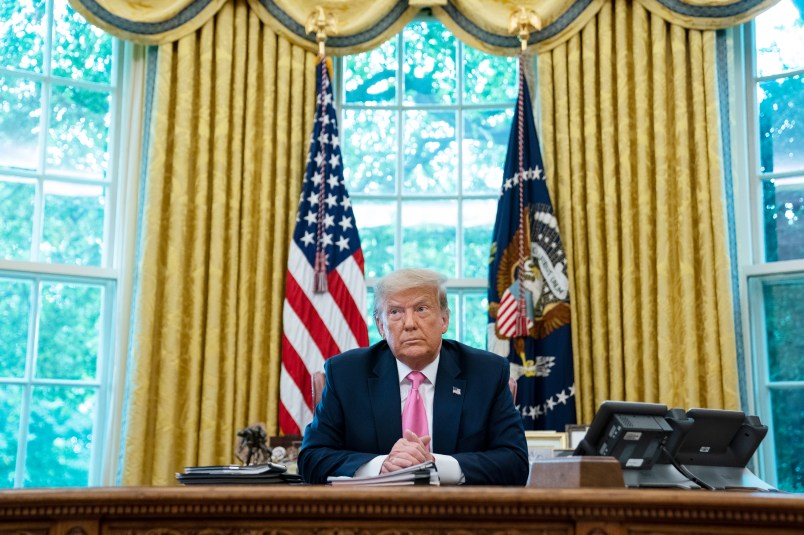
column 22, row 27
column 788, row 436
column 430, row 78
column 69, row 327
column 59, row 435
column 447, row 112
column 16, row 219
column 73, row 229
column 783, row 313
column 15, row 298
column 781, row 121
column 10, row 403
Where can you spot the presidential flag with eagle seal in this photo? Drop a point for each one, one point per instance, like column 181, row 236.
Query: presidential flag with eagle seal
column 529, row 302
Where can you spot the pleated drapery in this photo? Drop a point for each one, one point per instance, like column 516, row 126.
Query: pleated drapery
column 233, row 107
column 632, row 148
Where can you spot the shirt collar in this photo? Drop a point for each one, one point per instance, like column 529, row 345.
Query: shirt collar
column 430, row 371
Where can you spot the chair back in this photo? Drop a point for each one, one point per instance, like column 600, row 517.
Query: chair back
column 318, row 381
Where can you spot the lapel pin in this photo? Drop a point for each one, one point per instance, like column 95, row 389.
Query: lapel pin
column 456, row 390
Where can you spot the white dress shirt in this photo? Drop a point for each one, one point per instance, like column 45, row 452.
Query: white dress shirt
column 449, row 471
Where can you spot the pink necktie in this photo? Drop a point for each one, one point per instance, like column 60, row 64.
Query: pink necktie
column 414, row 416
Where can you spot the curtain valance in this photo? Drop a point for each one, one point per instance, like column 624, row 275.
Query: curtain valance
column 358, row 25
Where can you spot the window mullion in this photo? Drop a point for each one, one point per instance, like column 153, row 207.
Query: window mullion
column 44, row 126
column 27, row 388
column 111, row 191
column 400, row 148
column 755, row 183
column 459, row 169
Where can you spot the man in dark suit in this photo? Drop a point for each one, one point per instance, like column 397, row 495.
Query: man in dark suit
column 477, row 434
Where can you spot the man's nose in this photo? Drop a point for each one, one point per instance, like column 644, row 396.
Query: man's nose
column 410, row 318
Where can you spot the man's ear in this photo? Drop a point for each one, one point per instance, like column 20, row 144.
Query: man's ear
column 380, row 329
column 445, row 322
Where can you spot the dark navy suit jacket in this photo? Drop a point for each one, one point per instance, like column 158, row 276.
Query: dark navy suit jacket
column 474, row 418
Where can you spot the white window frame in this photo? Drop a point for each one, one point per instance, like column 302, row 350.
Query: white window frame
column 458, row 287
column 116, row 273
column 752, row 269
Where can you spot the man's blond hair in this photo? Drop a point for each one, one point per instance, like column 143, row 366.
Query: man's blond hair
column 406, row 279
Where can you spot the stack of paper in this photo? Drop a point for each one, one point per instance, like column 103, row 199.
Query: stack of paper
column 420, row 474
column 259, row 474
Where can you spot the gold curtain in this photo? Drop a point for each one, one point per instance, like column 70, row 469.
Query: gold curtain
column 631, row 135
column 233, row 107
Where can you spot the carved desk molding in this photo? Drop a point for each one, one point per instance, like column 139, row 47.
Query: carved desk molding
column 395, row 510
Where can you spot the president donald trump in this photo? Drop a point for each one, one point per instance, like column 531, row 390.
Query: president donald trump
column 415, row 397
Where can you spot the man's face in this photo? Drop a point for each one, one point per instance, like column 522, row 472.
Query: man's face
column 412, row 323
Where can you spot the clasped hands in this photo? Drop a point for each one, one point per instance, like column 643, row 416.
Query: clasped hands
column 408, row 451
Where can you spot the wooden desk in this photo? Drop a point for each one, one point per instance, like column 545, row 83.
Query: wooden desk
column 396, row 510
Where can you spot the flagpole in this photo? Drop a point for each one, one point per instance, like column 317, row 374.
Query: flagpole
column 523, row 21
column 320, row 268
column 522, row 321
column 320, row 23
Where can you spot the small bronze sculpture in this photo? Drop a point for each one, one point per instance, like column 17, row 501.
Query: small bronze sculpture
column 252, row 448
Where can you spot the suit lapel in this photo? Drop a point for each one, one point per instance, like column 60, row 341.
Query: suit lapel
column 447, row 402
column 386, row 401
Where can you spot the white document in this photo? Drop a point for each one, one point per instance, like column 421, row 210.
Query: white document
column 420, row 474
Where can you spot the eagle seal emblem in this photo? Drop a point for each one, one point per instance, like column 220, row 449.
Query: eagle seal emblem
column 543, row 285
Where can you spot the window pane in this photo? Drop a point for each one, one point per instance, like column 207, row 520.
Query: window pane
column 784, row 321
column 489, row 79
column 15, row 300
column 16, row 218
column 376, row 221
column 59, row 437
column 781, row 125
column 784, row 218
column 69, row 331
column 430, row 152
column 370, row 78
column 79, row 131
column 788, row 435
column 430, row 75
column 475, row 318
column 780, row 39
column 415, row 191
column 81, row 51
column 478, row 225
column 429, row 235
column 73, row 224
column 369, row 151
column 452, row 330
column 22, row 34
column 374, row 334
column 485, row 142
column 10, row 403
column 19, row 122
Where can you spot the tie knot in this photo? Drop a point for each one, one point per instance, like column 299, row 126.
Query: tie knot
column 416, row 379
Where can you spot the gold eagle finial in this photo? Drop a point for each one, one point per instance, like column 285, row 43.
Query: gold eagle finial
column 523, row 22
column 322, row 24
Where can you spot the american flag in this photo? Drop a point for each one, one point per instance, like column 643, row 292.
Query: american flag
column 529, row 305
column 325, row 291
